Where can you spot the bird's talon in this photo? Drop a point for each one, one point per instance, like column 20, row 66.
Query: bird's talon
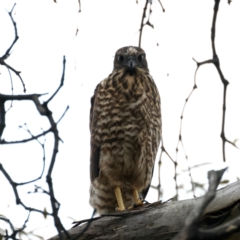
column 117, row 209
column 140, row 202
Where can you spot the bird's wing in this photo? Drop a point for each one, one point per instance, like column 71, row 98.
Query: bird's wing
column 145, row 191
column 157, row 137
column 95, row 148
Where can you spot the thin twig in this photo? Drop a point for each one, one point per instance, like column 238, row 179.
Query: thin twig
column 63, row 114
column 7, row 53
column 79, row 5
column 148, row 20
column 11, row 89
column 61, row 82
column 14, row 187
column 142, row 25
column 44, row 158
column 161, row 6
column 216, row 62
column 2, row 141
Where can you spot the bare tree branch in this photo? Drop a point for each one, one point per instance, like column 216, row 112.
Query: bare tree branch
column 161, row 5
column 7, row 53
column 44, row 110
column 61, row 82
column 165, row 220
column 79, row 4
column 142, row 22
column 148, row 20
column 216, row 62
column 191, row 230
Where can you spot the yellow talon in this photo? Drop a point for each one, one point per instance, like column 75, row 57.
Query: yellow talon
column 119, row 198
column 136, row 199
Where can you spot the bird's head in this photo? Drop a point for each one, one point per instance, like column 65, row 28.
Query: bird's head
column 130, row 59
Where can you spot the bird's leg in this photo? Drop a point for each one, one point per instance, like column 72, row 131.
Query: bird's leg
column 119, row 198
column 136, row 199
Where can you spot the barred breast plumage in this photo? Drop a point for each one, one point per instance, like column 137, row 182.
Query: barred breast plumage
column 125, row 125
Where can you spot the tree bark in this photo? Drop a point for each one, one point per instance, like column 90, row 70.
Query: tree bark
column 163, row 220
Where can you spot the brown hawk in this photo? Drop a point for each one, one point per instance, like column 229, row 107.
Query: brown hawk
column 125, row 126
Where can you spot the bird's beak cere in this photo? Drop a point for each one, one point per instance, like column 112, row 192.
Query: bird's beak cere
column 131, row 64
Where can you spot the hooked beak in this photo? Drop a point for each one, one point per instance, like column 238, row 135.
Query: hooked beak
column 131, row 64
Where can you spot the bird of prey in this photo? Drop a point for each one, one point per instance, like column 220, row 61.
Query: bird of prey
column 125, row 126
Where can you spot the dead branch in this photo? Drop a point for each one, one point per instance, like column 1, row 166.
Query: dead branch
column 43, row 110
column 7, row 53
column 165, row 220
column 216, row 62
column 148, row 20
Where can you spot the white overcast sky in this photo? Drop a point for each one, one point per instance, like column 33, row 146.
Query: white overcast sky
column 47, row 32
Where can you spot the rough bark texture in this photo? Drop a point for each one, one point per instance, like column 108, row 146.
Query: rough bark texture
column 163, row 220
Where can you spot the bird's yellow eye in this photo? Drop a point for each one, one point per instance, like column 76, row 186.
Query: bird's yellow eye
column 140, row 57
column 120, row 58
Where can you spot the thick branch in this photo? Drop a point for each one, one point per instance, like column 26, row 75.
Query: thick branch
column 191, row 225
column 163, row 220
